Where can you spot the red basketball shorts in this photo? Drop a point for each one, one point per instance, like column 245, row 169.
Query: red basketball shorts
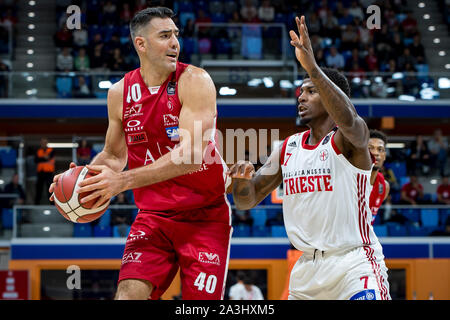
column 157, row 246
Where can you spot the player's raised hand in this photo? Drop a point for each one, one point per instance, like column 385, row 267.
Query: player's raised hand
column 242, row 170
column 55, row 178
column 303, row 49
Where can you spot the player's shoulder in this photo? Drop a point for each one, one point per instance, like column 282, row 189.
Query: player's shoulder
column 116, row 89
column 193, row 73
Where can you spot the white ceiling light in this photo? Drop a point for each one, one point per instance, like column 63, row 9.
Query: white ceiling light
column 436, row 40
column 431, row 28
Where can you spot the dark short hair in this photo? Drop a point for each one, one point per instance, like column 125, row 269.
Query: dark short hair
column 376, row 134
column 143, row 17
column 336, row 77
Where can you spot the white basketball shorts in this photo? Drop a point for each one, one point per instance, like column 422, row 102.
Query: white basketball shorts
column 353, row 274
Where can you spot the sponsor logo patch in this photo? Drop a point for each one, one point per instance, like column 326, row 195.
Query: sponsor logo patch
column 172, row 133
column 136, row 138
column 171, row 88
column 133, row 257
column 323, row 155
column 206, row 257
column 170, row 120
column 365, row 295
column 292, row 144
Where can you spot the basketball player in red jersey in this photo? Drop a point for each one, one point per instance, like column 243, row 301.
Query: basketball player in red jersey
column 380, row 191
column 184, row 219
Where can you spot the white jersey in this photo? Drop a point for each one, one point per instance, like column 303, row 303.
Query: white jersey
column 326, row 198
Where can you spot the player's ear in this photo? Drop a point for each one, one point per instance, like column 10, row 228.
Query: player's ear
column 140, row 43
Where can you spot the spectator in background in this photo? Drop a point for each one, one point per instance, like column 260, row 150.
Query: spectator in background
column 438, row 147
column 125, row 13
column 4, row 83
column 248, row 291
column 116, row 61
column 80, row 37
column 335, row 59
column 14, row 187
column 416, row 49
column 82, row 62
column 405, row 58
column 64, row 60
column 412, row 192
column 371, row 60
column 121, row 217
column 314, row 24
column 411, row 84
column 409, row 25
column 63, row 37
column 354, row 58
column 238, row 286
column 266, row 13
column 443, row 192
column 356, row 11
column 109, row 13
column 396, row 45
column 45, row 161
column 82, row 89
column 350, row 38
column 419, row 157
column 203, row 31
column 249, row 13
column 84, row 153
column 320, row 59
column 242, row 217
column 346, row 18
column 98, row 59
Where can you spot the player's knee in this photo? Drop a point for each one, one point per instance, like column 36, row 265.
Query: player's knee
column 133, row 289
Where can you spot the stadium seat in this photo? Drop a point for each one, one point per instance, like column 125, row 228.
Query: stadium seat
column 444, row 214
column 381, row 230
column 134, row 214
column 64, row 87
column 417, row 231
column 105, row 219
column 241, row 230
column 411, row 214
column 7, row 218
column 429, row 217
column 8, row 157
column 117, row 232
column 204, row 45
column 278, row 231
column 260, row 231
column 397, row 230
column 102, row 231
column 259, row 216
column 82, row 230
column 399, row 168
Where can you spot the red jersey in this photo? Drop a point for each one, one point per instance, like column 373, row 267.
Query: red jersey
column 411, row 191
column 150, row 122
column 377, row 195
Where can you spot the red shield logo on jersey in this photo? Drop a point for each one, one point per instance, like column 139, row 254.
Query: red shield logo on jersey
column 323, row 155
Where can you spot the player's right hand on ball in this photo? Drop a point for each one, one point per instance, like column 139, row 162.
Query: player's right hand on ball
column 242, row 170
column 55, row 178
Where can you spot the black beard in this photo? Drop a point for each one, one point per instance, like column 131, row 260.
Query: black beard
column 302, row 121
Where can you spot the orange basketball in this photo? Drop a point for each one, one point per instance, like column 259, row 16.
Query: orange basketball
column 67, row 200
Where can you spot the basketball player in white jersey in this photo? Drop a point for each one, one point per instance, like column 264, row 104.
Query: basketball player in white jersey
column 326, row 176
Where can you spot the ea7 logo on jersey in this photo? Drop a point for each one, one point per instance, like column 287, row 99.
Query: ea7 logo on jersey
column 172, row 133
column 136, row 138
column 209, row 258
column 133, row 111
column 131, row 257
column 170, row 120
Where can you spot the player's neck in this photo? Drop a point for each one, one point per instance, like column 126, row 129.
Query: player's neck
column 319, row 131
column 153, row 76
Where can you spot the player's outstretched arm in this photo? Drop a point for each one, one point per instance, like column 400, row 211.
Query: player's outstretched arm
column 335, row 101
column 250, row 188
column 197, row 94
